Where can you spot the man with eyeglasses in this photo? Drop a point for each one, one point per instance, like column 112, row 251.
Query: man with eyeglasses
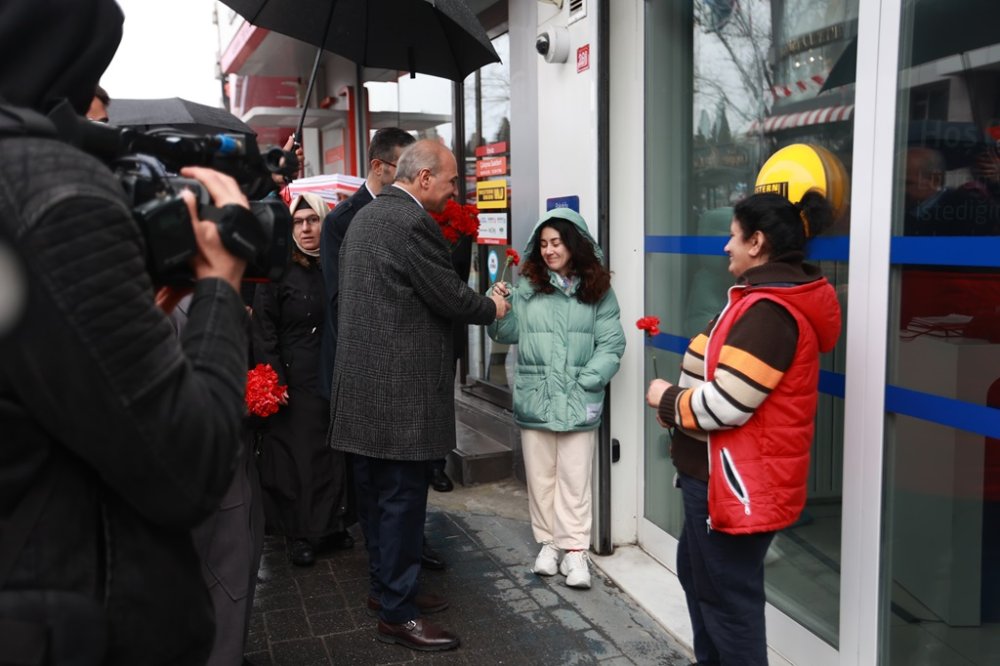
column 383, row 153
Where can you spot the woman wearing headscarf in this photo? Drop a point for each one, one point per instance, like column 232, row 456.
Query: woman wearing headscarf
column 742, row 419
column 303, row 480
column 564, row 319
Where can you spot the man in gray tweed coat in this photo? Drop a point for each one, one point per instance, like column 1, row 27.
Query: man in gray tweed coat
column 392, row 397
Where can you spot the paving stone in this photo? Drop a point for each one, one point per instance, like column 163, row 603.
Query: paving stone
column 284, row 625
column 306, row 652
column 503, row 613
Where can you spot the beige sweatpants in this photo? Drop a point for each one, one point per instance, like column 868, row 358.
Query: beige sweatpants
column 558, row 466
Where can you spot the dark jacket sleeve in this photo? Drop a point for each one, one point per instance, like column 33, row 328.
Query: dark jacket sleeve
column 264, row 328
column 436, row 282
column 100, row 366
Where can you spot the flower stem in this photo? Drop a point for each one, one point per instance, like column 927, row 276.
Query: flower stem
column 656, row 374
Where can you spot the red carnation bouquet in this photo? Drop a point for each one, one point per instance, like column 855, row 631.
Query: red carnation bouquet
column 264, row 395
column 651, row 325
column 457, row 220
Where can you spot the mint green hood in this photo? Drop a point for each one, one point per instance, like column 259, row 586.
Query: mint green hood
column 569, row 215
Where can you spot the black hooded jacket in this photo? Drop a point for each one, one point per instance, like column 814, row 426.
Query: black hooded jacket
column 134, row 433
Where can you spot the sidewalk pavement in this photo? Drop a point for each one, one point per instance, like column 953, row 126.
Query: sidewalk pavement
column 503, row 613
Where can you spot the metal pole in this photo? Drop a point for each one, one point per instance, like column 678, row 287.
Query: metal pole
column 604, row 545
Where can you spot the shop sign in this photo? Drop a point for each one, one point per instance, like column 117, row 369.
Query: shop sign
column 814, row 39
column 493, row 265
column 491, row 194
column 497, row 148
column 492, row 230
column 572, row 202
column 492, row 166
column 583, row 58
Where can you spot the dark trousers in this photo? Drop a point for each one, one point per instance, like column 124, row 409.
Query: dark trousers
column 392, row 506
column 723, row 580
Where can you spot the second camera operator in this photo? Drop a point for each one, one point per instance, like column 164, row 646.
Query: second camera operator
column 117, row 436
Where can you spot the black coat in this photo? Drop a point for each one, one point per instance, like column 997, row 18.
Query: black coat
column 331, row 239
column 393, row 380
column 302, row 478
column 143, row 428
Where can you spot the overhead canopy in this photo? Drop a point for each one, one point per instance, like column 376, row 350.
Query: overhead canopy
column 787, row 121
column 941, row 28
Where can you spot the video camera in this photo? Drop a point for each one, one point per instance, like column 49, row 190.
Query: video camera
column 147, row 164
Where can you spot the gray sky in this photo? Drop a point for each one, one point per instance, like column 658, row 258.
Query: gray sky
column 168, row 49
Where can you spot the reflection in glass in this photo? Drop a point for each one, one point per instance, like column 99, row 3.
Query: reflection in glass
column 744, row 80
column 941, row 563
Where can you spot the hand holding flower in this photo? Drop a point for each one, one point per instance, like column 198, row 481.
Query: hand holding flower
column 512, row 258
column 651, row 325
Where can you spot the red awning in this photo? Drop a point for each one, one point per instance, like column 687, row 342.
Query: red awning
column 787, row 121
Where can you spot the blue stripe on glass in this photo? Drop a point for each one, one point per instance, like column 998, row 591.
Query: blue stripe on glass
column 926, row 406
column 820, row 249
column 945, row 411
column 946, row 251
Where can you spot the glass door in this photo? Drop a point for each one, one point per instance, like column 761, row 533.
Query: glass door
column 727, row 85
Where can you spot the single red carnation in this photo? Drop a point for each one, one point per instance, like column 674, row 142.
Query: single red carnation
column 513, row 257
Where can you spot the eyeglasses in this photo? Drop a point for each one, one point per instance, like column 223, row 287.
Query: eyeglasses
column 312, row 219
column 392, row 164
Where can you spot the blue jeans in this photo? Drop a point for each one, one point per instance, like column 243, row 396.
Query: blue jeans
column 723, row 580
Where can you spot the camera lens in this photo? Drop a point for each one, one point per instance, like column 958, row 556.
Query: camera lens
column 542, row 44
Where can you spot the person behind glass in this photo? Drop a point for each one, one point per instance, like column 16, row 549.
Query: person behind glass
column 742, row 417
column 392, row 394
column 303, row 480
column 565, row 321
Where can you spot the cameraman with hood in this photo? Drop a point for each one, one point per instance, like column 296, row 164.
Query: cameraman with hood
column 117, row 437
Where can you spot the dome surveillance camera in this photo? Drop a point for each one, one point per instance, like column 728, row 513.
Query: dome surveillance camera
column 542, row 44
column 553, row 44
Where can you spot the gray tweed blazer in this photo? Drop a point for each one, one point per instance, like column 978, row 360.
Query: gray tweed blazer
column 393, row 393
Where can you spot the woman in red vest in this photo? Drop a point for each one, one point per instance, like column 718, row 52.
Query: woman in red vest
column 742, row 416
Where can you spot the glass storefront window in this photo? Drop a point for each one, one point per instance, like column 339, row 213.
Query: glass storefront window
column 728, row 84
column 941, row 550
column 487, row 158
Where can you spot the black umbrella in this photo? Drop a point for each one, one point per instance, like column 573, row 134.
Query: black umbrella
column 182, row 114
column 940, row 28
column 437, row 37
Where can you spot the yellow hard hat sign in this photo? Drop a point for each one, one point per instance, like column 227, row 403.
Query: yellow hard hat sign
column 801, row 167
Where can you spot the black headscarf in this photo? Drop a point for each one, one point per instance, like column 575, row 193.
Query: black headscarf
column 54, row 49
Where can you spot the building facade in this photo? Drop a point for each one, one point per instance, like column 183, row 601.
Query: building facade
column 656, row 121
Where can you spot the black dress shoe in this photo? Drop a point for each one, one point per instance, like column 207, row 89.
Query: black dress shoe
column 301, row 553
column 440, row 481
column 425, row 603
column 417, row 634
column 431, row 559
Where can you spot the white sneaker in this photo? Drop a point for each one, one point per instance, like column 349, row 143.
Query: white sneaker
column 576, row 567
column 547, row 562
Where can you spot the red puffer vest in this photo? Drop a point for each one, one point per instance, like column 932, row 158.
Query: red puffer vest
column 758, row 471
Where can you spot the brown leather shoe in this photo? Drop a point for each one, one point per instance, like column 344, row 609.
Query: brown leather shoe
column 426, row 604
column 417, row 634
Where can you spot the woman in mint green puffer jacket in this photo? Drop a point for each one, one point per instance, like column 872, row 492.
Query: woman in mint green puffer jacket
column 565, row 321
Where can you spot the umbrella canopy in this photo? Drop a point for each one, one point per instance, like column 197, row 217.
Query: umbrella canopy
column 940, row 28
column 182, row 114
column 440, row 37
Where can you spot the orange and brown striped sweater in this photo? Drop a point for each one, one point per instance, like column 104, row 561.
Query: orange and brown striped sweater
column 757, row 352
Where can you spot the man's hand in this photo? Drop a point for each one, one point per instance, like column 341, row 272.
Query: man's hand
column 213, row 260
column 503, row 307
